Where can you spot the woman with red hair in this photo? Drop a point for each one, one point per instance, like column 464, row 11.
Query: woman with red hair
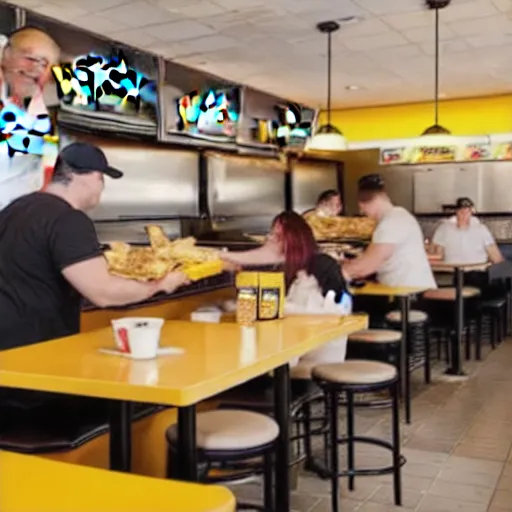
column 292, row 246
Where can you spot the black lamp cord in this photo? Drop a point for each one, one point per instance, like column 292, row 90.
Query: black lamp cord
column 436, row 80
column 329, row 66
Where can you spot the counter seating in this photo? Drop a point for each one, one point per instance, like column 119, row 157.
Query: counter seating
column 415, row 317
column 226, row 437
column 50, row 486
column 63, row 425
column 495, row 310
column 440, row 306
column 351, row 378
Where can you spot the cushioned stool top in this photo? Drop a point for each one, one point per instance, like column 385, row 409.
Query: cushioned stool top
column 415, row 317
column 355, row 371
column 450, row 293
column 226, row 429
column 376, row 336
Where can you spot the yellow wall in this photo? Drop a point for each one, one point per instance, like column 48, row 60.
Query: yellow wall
column 476, row 116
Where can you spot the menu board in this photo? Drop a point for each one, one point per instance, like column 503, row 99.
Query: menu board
column 469, row 152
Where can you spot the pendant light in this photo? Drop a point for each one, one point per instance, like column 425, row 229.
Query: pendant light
column 327, row 137
column 436, row 134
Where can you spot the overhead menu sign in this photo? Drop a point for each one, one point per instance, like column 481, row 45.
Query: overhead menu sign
column 471, row 152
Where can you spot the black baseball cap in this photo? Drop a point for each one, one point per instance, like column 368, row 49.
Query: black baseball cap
column 371, row 182
column 84, row 158
column 464, row 202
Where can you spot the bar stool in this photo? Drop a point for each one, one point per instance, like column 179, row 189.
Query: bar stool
column 494, row 308
column 418, row 331
column 435, row 301
column 227, row 437
column 353, row 377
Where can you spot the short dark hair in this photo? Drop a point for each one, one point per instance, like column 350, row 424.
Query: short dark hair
column 62, row 172
column 369, row 186
column 326, row 195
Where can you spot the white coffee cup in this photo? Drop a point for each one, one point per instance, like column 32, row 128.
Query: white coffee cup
column 143, row 335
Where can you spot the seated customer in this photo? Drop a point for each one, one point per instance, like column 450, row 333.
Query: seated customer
column 397, row 252
column 328, row 204
column 292, row 246
column 464, row 239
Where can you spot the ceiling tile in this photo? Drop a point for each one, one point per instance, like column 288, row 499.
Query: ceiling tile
column 423, row 34
column 468, row 10
column 91, row 6
column 410, row 20
column 375, row 42
column 487, row 40
column 180, row 30
column 486, row 25
column 367, row 27
column 139, row 14
column 202, row 9
column 62, row 12
column 238, row 4
column 138, row 38
column 503, row 5
column 445, row 47
column 398, row 53
column 389, row 7
column 99, row 24
column 207, row 44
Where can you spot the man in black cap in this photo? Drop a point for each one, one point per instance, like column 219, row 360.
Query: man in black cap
column 50, row 256
column 397, row 252
column 464, row 239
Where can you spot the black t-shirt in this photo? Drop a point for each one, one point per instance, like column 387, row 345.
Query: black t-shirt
column 328, row 274
column 40, row 235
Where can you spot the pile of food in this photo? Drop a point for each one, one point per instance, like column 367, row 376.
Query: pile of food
column 341, row 228
column 162, row 257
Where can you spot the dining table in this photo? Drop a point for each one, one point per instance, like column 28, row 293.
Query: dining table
column 404, row 294
column 215, row 358
column 458, row 270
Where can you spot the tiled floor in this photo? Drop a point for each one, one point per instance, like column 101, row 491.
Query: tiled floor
column 458, row 449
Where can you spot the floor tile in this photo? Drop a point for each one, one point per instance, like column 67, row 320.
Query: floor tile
column 503, row 499
column 384, row 495
column 462, row 492
column 431, row 503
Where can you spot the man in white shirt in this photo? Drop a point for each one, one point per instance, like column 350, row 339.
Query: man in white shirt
column 464, row 239
column 397, row 252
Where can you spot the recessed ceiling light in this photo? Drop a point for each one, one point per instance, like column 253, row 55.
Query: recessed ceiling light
column 352, row 87
column 349, row 20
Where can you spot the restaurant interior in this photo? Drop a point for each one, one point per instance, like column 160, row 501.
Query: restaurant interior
column 222, row 114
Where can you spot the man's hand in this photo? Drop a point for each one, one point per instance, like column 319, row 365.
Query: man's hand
column 172, row 281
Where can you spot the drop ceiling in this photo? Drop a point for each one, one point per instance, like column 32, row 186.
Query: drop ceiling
column 273, row 45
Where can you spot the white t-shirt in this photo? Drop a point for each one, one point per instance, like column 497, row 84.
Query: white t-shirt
column 466, row 245
column 408, row 265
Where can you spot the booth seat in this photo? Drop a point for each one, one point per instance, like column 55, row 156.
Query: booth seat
column 30, row 483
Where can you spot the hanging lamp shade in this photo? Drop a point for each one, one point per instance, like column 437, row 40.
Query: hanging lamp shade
column 327, row 137
column 436, row 134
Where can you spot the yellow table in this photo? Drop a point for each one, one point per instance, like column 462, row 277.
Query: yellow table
column 404, row 293
column 217, row 357
column 59, row 487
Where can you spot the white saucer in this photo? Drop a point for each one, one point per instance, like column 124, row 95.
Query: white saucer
column 164, row 351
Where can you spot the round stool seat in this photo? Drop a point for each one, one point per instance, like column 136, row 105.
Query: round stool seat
column 225, row 429
column 355, row 371
column 376, row 336
column 449, row 294
column 415, row 317
column 493, row 303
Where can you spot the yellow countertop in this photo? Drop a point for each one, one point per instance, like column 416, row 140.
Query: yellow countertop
column 217, row 357
column 60, row 487
column 377, row 289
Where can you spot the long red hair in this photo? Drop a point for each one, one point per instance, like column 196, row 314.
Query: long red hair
column 297, row 241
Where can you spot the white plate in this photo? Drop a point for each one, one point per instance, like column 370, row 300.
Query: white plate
column 164, row 351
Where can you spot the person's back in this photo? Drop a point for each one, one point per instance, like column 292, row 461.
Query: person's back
column 40, row 234
column 408, row 265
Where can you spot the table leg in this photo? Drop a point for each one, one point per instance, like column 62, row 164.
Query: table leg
column 456, row 341
column 282, row 416
column 509, row 306
column 405, row 374
column 120, row 436
column 186, row 454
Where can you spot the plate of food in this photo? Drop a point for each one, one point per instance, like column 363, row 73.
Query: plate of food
column 162, row 256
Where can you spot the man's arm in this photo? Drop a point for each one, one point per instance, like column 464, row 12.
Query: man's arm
column 369, row 262
column 92, row 280
column 494, row 253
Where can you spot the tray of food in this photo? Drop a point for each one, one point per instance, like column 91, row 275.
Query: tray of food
column 341, row 228
column 161, row 257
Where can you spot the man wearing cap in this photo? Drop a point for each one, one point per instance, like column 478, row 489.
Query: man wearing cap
column 397, row 252
column 464, row 239
column 50, row 256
